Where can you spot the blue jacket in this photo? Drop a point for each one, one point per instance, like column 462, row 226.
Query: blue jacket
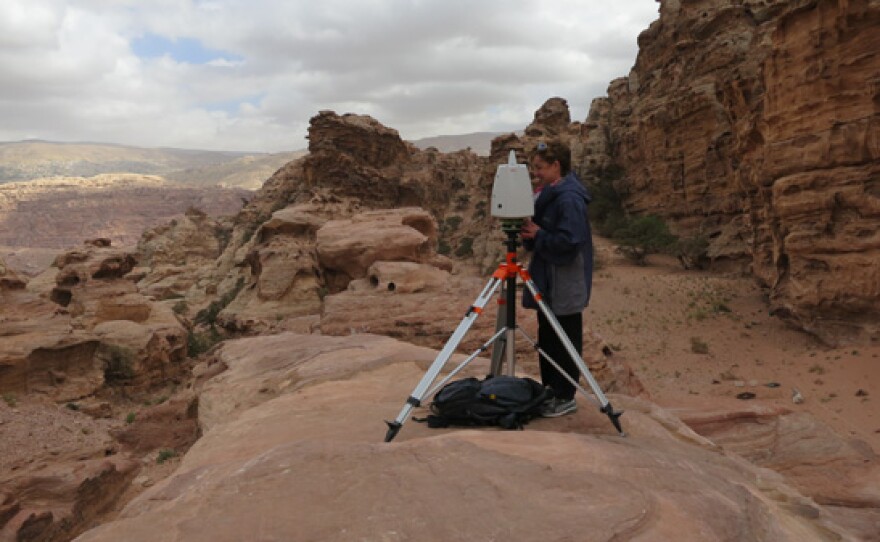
column 562, row 259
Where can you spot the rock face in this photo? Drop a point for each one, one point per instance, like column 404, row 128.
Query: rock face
column 756, row 125
column 293, row 416
column 65, row 349
column 320, row 222
column 174, row 257
column 841, row 474
column 96, row 329
column 54, row 493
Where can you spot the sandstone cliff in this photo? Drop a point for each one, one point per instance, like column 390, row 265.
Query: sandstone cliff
column 755, row 124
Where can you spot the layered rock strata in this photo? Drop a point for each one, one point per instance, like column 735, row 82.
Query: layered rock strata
column 97, row 327
column 755, row 124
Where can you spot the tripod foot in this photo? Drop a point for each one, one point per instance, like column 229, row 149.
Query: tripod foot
column 393, row 429
column 614, row 417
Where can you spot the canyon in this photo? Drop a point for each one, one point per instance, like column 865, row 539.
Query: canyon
column 754, row 124
column 222, row 377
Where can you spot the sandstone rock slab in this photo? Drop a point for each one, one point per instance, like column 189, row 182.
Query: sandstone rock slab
column 308, row 463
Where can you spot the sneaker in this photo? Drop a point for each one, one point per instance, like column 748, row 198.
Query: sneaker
column 558, row 407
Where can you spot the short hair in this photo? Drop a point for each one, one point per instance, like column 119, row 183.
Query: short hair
column 554, row 151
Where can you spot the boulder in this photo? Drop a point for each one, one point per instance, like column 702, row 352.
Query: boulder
column 347, row 248
column 9, row 279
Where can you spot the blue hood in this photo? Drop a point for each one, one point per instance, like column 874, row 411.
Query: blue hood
column 571, row 184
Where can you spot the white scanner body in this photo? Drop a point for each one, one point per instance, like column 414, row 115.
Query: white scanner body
column 512, row 191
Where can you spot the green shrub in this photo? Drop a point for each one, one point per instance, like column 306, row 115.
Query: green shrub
column 130, row 418
column 209, row 314
column 465, row 248
column 692, row 252
column 10, row 400
column 197, row 343
column 698, row 346
column 606, row 209
column 443, row 247
column 120, row 365
column 453, row 222
column 224, row 236
column 180, row 307
column 480, row 211
column 165, row 455
column 642, row 236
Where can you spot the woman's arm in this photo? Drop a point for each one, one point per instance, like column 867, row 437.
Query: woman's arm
column 560, row 246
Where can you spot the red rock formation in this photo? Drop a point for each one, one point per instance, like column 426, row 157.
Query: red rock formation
column 97, row 337
column 755, row 124
column 273, row 267
column 97, row 328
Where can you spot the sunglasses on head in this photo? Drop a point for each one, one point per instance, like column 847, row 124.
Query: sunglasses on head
column 541, row 146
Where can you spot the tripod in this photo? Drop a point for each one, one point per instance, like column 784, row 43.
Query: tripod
column 503, row 339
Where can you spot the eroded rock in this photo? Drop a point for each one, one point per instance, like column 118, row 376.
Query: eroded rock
column 306, row 417
column 709, row 132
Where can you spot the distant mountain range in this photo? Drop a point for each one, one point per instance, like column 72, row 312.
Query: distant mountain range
column 29, row 160
column 36, row 159
column 478, row 142
column 55, row 195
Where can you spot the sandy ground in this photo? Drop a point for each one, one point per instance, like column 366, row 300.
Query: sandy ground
column 692, row 336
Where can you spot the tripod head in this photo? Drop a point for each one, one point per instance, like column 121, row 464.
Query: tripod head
column 512, row 227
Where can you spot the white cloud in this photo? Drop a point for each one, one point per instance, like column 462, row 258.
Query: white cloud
column 423, row 67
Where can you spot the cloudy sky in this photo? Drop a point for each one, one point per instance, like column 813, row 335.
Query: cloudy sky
column 248, row 74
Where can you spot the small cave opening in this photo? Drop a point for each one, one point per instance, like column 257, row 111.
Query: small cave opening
column 61, row 297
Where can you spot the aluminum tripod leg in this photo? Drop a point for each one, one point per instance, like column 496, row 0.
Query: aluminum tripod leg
column 499, row 348
column 463, row 364
column 562, row 372
column 605, row 405
column 506, row 319
column 419, row 393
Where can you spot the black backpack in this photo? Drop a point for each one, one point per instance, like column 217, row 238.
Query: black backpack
column 506, row 401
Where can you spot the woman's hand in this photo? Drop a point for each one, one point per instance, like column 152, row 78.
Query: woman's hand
column 529, row 229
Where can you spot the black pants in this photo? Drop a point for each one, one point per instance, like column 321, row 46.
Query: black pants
column 549, row 342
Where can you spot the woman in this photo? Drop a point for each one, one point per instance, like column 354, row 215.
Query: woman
column 561, row 266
